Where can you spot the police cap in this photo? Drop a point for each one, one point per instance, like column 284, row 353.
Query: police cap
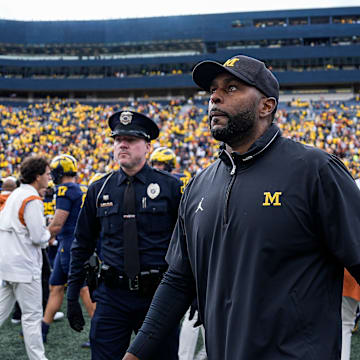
column 132, row 123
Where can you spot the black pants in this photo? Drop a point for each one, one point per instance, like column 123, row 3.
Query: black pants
column 118, row 314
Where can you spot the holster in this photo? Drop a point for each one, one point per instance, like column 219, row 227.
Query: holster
column 92, row 269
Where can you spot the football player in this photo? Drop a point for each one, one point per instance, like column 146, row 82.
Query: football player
column 69, row 197
column 164, row 158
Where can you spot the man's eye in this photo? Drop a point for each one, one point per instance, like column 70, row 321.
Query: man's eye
column 232, row 88
column 212, row 90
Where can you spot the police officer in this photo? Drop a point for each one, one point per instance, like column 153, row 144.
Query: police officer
column 135, row 210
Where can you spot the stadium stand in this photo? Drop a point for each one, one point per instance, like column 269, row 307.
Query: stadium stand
column 61, row 126
column 312, row 48
column 61, row 80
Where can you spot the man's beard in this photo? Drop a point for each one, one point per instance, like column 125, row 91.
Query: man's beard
column 238, row 128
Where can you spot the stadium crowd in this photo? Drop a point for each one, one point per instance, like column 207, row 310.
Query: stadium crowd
column 60, row 126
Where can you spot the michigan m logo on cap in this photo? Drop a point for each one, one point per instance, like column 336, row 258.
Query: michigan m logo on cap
column 231, row 62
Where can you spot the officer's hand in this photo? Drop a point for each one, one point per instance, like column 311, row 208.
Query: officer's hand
column 75, row 316
column 129, row 356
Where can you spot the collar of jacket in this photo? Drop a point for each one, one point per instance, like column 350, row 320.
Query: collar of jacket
column 142, row 175
column 258, row 147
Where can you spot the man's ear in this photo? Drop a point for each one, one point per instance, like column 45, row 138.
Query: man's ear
column 267, row 106
column 148, row 147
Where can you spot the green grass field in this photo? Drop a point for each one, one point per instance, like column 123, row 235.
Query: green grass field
column 64, row 343
column 355, row 346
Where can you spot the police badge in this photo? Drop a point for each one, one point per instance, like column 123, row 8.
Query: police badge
column 126, row 117
column 153, row 190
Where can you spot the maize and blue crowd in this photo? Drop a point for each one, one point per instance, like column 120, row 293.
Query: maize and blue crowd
column 56, row 126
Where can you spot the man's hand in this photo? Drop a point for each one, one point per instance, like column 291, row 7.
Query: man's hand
column 129, row 356
column 75, row 316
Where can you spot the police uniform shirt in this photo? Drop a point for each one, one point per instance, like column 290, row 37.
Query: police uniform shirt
column 69, row 197
column 157, row 199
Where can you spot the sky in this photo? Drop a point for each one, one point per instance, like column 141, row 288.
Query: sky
column 119, row 9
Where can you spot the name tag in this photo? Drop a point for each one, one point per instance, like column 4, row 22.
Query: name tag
column 106, row 204
column 129, row 216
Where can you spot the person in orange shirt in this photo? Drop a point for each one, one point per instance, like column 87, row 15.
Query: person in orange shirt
column 350, row 301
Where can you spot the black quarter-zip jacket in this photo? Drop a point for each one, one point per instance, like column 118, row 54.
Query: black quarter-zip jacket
column 263, row 238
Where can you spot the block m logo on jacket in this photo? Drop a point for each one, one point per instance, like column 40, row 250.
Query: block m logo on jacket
column 272, row 199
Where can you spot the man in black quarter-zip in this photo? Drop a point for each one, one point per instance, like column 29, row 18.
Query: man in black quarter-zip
column 263, row 234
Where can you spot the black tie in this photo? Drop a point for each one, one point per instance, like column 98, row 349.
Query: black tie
column 131, row 251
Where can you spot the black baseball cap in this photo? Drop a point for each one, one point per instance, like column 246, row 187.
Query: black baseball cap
column 132, row 123
column 248, row 69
